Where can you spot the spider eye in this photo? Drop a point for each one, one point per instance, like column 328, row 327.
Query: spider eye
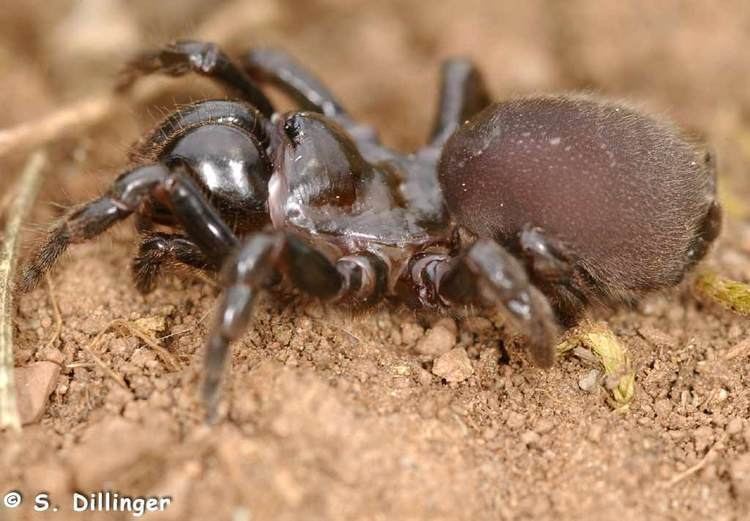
column 320, row 162
column 293, row 128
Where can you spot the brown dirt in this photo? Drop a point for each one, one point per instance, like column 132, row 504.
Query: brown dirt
column 331, row 416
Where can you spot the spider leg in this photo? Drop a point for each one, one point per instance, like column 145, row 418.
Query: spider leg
column 173, row 188
column 207, row 59
column 552, row 268
column 280, row 69
column 158, row 249
column 488, row 274
column 358, row 279
column 462, row 95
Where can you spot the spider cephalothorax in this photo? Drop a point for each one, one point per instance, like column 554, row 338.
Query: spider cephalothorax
column 566, row 200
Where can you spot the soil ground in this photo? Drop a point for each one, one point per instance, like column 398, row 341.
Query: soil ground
column 334, row 416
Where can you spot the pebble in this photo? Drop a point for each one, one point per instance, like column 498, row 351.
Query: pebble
column 734, row 427
column 515, row 420
column 663, row 407
column 447, row 323
column 411, row 333
column 588, row 381
column 34, row 384
column 437, row 341
column 704, row 436
column 544, row 425
column 424, row 377
column 453, row 366
column 530, row 438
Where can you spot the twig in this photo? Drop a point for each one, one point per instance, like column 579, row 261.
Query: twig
column 36, row 133
column 695, row 468
column 166, row 357
column 741, row 349
column 28, row 186
column 89, row 349
column 222, row 25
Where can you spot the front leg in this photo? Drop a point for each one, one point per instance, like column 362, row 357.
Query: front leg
column 245, row 275
column 172, row 188
column 359, row 280
column 207, row 59
column 487, row 274
column 280, row 69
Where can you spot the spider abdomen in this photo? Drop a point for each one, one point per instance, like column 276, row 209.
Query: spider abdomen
column 631, row 198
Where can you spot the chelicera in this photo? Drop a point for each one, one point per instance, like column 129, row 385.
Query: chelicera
column 538, row 206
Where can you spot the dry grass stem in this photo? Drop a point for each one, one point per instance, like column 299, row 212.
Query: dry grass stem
column 740, row 349
column 166, row 357
column 37, row 133
column 28, row 186
column 55, row 310
column 695, row 468
column 169, row 360
column 90, row 112
column 89, row 349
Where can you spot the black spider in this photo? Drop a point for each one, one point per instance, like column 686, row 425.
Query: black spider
column 565, row 201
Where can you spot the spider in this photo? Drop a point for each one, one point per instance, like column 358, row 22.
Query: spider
column 538, row 206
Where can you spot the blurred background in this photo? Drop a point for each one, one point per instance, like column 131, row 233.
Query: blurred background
column 345, row 432
column 687, row 60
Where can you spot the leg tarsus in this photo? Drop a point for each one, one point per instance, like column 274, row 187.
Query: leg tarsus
column 161, row 248
column 486, row 272
column 278, row 68
column 92, row 219
column 202, row 58
column 245, row 274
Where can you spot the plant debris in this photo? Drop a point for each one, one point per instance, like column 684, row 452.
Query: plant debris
column 619, row 375
column 28, row 186
column 728, row 293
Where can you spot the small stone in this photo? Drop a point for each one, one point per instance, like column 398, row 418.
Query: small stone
column 703, row 436
column 34, row 384
column 739, row 473
column 151, row 325
column 51, row 354
column 734, row 426
column 453, row 366
column 530, row 438
column 437, row 341
column 544, row 425
column 515, row 420
column 411, row 333
column 663, row 407
column 424, row 377
column 588, row 381
column 447, row 323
